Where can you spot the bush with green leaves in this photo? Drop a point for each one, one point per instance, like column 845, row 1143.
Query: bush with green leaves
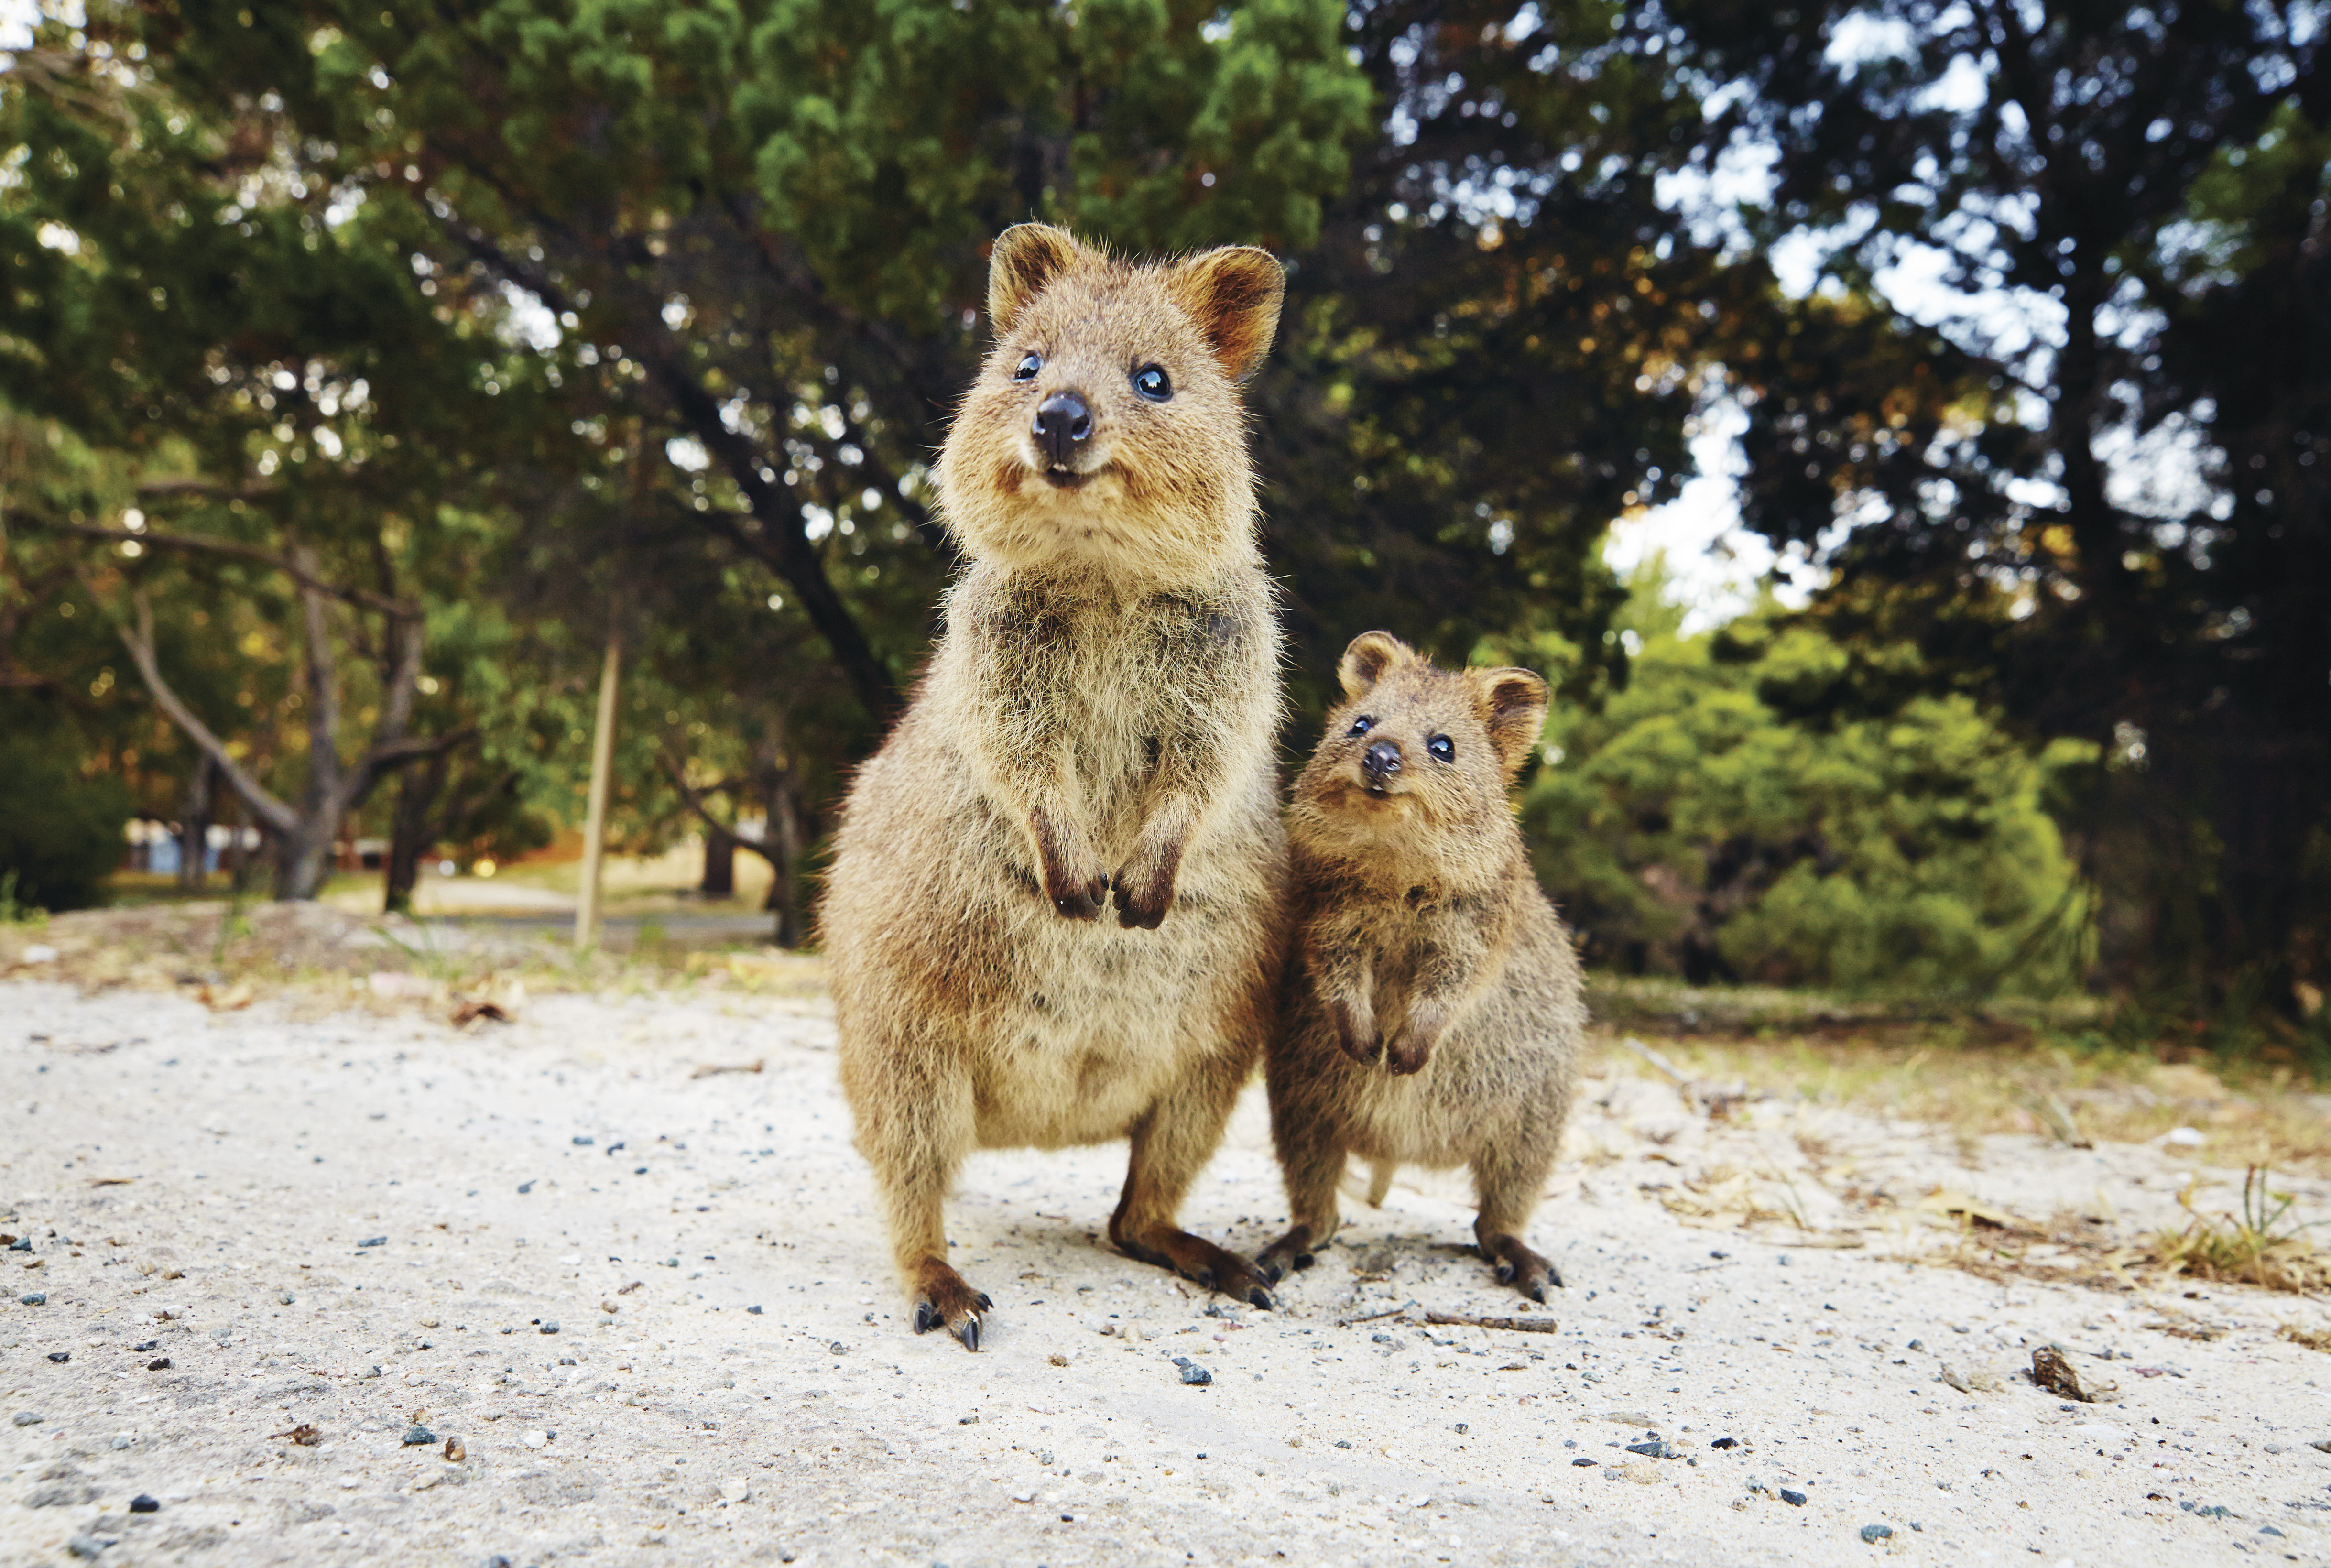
column 61, row 833
column 1731, row 814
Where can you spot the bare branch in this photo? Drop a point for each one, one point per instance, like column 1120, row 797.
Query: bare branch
column 196, row 544
column 678, row 772
column 140, row 644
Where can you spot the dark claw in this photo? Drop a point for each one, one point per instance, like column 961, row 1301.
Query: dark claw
column 1260, row 1297
column 1272, row 1271
column 986, row 1303
column 1505, row 1274
column 1553, row 1276
column 927, row 1317
column 1303, row 1260
column 1537, row 1293
column 1206, row 1277
column 969, row 1334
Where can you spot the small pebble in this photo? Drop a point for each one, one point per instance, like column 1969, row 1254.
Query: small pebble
column 120, row 1443
column 455, row 1450
column 142, row 1504
column 1725, row 1443
column 373, row 1241
column 2269, row 1530
column 550, row 1325
column 536, row 1440
column 60, row 1356
column 1793, row 1499
column 284, row 1297
column 1656, row 1448
column 86, row 1548
column 2322, row 1445
column 1194, row 1375
column 21, row 1244
column 369, row 1371
column 24, row 1418
column 159, row 1364
column 419, row 1436
column 1584, row 1463
column 754, row 1310
column 582, row 1141
column 1873, row 1534
column 34, row 1299
column 525, row 1186
column 143, row 1345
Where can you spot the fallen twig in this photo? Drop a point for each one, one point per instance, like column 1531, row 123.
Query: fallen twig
column 713, row 1069
column 1372, row 1317
column 1657, row 1060
column 1517, row 1325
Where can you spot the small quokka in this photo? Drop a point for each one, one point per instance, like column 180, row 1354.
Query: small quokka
column 1094, row 727
column 1431, row 1012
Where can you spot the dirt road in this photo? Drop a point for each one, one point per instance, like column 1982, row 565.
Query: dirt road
column 650, row 1309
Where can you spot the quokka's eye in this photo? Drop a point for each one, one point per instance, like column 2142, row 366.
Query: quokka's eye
column 1361, row 725
column 1028, row 365
column 1152, row 382
column 1442, row 748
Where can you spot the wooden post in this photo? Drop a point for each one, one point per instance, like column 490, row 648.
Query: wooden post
column 594, row 823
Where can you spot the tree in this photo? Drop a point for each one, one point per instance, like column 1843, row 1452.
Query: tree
column 2090, row 487
column 1721, row 819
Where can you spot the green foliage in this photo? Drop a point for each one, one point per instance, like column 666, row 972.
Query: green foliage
column 1695, row 825
column 60, row 830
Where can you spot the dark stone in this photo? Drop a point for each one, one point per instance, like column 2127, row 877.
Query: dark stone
column 142, row 1504
column 373, row 1241
column 550, row 1325
column 525, row 1187
column 1194, row 1375
column 159, row 1364
column 582, row 1140
column 1793, row 1499
column 21, row 1244
column 1725, row 1443
column 754, row 1310
column 25, row 1418
column 1583, row 1463
column 143, row 1345
column 1873, row 1534
column 34, row 1299
column 419, row 1436
column 1656, row 1448
column 60, row 1356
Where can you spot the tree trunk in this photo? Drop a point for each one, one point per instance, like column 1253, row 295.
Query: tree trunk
column 303, row 858
column 720, row 863
column 781, row 838
column 195, row 813
column 411, row 834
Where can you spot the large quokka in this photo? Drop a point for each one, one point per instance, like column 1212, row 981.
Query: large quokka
column 1097, row 724
column 1432, row 1012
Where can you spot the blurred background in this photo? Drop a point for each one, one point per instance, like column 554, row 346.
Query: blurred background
column 1899, row 430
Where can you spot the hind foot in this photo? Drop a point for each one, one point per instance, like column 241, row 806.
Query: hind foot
column 1290, row 1252
column 942, row 1298
column 1520, row 1268
column 1199, row 1260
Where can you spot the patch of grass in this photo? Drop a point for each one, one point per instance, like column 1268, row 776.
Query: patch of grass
column 2264, row 1245
column 12, row 910
column 2312, row 1338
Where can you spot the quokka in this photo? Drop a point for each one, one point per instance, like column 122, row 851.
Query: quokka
column 1056, row 911
column 1432, row 1012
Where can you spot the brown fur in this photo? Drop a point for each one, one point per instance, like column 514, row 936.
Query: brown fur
column 1432, row 1013
column 1097, row 721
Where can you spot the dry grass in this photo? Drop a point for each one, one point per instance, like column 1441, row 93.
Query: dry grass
column 1971, row 1080
column 2312, row 1338
column 2263, row 1245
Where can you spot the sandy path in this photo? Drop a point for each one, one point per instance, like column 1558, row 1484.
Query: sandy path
column 263, row 1152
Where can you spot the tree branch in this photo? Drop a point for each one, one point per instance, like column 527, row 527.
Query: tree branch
column 282, row 817
column 678, row 772
column 194, row 543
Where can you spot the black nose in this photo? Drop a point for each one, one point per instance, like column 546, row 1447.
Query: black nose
column 1380, row 761
column 1063, row 425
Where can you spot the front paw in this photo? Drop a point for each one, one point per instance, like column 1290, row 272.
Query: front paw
column 1355, row 1033
column 1077, row 898
column 1074, row 883
column 1145, row 887
column 1407, row 1051
column 1290, row 1252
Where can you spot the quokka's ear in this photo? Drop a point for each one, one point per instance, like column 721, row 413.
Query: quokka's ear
column 1512, row 705
column 1234, row 295
column 1026, row 259
column 1365, row 659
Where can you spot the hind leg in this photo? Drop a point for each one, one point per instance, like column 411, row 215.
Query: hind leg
column 1171, row 1145
column 915, row 1126
column 1507, row 1181
column 1311, row 1161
